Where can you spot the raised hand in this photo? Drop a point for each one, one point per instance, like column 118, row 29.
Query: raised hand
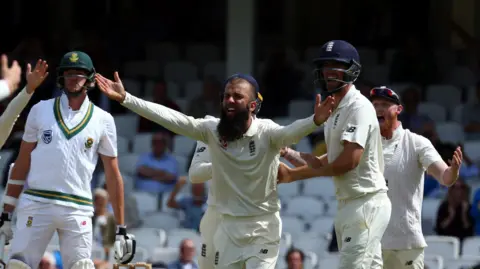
column 112, row 89
column 37, row 76
column 12, row 75
column 456, row 161
column 323, row 109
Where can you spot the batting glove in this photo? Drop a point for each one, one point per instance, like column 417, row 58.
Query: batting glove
column 124, row 246
column 6, row 226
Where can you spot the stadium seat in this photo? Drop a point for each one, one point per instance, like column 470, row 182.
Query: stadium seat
column 332, row 206
column 288, row 191
column 472, row 97
column 142, row 69
column 183, row 146
column 329, row 261
column 434, row 111
column 128, row 163
column 471, row 246
column 320, row 187
column 303, row 145
column 433, row 261
column 445, row 60
column 300, row 108
column 312, row 242
column 122, row 145
column 451, row 132
column 457, row 113
column 308, row 208
column 173, row 90
column 147, row 202
column 133, row 86
column 200, row 54
column 175, row 237
column 218, row 70
column 430, row 208
column 180, row 72
column 162, row 52
column 285, row 243
column 472, row 149
column 161, row 220
column 148, row 238
column 126, row 125
column 446, row 246
column 462, row 262
column 447, row 96
column 165, row 255
column 293, row 225
column 461, row 76
column 193, row 89
column 321, row 225
column 142, row 143
column 183, row 104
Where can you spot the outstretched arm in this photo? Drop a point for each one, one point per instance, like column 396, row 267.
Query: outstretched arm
column 11, row 113
column 174, row 121
column 201, row 167
column 299, row 159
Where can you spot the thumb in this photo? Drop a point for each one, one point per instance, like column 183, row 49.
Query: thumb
column 116, row 77
column 4, row 61
column 450, row 162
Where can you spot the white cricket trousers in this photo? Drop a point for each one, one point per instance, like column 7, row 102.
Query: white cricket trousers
column 36, row 224
column 359, row 226
column 208, row 227
column 403, row 258
column 247, row 242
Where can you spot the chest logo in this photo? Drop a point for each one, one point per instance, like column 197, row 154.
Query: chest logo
column 89, row 143
column 251, row 147
column 47, row 136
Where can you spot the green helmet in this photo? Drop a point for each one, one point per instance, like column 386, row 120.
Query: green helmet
column 76, row 60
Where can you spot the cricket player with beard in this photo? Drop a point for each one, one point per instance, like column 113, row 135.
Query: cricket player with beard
column 15, row 107
column 244, row 153
column 354, row 159
column 61, row 144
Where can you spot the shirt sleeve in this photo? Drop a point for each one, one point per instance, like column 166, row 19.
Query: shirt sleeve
column 108, row 142
column 31, row 126
column 11, row 113
column 283, row 136
column 357, row 127
column 4, row 90
column 427, row 154
column 201, row 166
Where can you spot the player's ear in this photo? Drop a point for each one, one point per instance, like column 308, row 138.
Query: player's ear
column 399, row 109
column 253, row 106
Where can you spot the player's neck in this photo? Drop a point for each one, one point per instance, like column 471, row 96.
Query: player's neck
column 340, row 94
column 387, row 132
column 249, row 122
column 75, row 102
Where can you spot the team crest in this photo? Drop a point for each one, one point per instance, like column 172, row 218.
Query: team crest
column 73, row 58
column 29, row 221
column 89, row 143
column 47, row 136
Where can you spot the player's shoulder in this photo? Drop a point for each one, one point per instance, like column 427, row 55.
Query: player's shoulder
column 265, row 123
column 417, row 139
column 42, row 104
column 210, row 122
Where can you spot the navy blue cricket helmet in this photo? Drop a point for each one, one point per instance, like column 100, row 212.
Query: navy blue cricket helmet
column 338, row 51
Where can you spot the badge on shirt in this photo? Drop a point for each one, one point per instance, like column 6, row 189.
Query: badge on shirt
column 29, row 221
column 47, row 136
column 88, row 143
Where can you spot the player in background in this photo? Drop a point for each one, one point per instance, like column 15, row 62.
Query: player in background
column 354, row 159
column 61, row 144
column 15, row 107
column 244, row 152
column 407, row 156
column 9, row 77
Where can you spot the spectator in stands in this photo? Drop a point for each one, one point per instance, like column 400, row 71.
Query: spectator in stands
column 47, row 261
column 187, row 253
column 475, row 211
column 103, row 222
column 281, row 83
column 410, row 117
column 157, row 171
column 295, row 258
column 414, row 63
column 193, row 206
column 208, row 102
column 160, row 96
column 453, row 216
column 470, row 119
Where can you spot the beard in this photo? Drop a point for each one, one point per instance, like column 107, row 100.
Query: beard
column 233, row 128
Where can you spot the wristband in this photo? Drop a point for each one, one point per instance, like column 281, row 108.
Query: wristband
column 10, row 200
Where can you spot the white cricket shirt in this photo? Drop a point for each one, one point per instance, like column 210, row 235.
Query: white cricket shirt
column 355, row 120
column 201, row 170
column 407, row 157
column 245, row 171
column 4, row 90
column 11, row 113
column 68, row 144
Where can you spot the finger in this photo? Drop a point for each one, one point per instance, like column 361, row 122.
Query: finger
column 116, row 77
column 45, row 76
column 4, row 61
column 29, row 68
column 38, row 65
column 45, row 68
column 318, row 100
column 15, row 64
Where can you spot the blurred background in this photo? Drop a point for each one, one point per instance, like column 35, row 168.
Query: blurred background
column 177, row 53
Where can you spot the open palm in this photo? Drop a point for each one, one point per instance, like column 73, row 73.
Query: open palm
column 323, row 108
column 36, row 76
column 112, row 89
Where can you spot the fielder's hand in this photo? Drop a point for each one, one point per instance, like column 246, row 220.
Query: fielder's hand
column 323, row 109
column 124, row 246
column 37, row 76
column 283, row 175
column 12, row 75
column 112, row 89
column 6, row 226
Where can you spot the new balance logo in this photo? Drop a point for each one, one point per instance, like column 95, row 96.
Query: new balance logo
column 264, row 251
column 216, row 257
column 204, row 250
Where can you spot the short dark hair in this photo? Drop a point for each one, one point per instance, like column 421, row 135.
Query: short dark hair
column 293, row 250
